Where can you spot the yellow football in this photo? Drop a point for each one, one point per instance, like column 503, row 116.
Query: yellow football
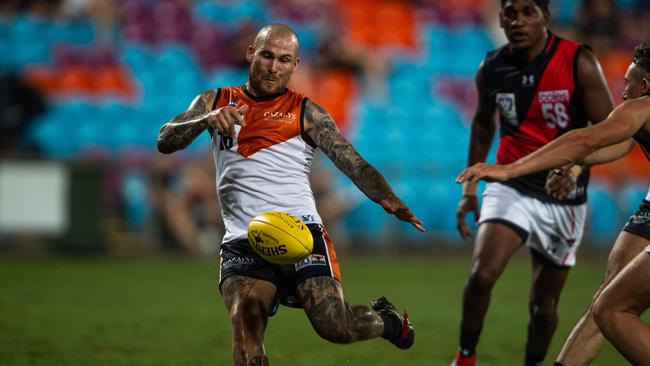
column 280, row 238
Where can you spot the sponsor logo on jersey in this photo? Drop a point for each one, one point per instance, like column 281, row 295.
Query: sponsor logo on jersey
column 232, row 103
column 280, row 117
column 312, row 260
column 307, row 218
column 507, row 107
column 527, row 80
column 640, row 218
column 553, row 96
column 236, row 262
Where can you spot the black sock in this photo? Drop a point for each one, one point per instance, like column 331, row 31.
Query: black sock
column 468, row 342
column 558, row 364
column 533, row 359
column 392, row 327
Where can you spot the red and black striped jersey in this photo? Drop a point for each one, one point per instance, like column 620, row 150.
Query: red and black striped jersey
column 537, row 102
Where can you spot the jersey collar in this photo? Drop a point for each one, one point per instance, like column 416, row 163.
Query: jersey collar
column 264, row 98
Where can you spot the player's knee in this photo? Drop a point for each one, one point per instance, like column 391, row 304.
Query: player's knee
column 545, row 311
column 249, row 312
column 603, row 314
column 483, row 278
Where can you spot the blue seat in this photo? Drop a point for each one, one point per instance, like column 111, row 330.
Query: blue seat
column 367, row 218
column 631, row 196
column 137, row 57
column 135, row 194
column 48, row 132
column 604, row 218
column 230, row 14
column 228, row 77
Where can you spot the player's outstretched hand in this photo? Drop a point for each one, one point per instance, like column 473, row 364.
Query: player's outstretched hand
column 560, row 182
column 469, row 202
column 224, row 119
column 486, row 172
column 395, row 206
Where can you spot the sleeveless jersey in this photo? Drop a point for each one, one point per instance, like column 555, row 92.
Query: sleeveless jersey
column 537, row 102
column 266, row 166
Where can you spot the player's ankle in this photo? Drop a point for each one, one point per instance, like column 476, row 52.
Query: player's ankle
column 533, row 359
column 392, row 327
column 467, row 352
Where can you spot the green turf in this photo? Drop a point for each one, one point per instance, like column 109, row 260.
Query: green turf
column 168, row 312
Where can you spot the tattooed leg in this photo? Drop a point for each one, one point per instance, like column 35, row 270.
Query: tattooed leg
column 249, row 302
column 332, row 317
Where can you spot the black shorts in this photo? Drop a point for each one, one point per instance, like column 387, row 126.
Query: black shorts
column 639, row 222
column 238, row 258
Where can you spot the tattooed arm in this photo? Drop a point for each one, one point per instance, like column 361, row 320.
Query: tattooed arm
column 178, row 133
column 320, row 127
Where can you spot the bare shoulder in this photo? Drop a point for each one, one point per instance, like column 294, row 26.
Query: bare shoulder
column 318, row 121
column 205, row 100
column 638, row 108
column 314, row 113
column 588, row 64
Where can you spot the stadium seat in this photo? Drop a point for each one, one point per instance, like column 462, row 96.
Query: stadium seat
column 604, row 219
column 367, row 219
column 630, row 197
column 135, row 193
column 230, row 14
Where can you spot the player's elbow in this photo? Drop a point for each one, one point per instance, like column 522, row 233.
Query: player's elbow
column 162, row 143
column 163, row 146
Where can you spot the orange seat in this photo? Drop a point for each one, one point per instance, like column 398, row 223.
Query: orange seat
column 76, row 79
column 335, row 91
column 113, row 80
column 379, row 22
column 614, row 64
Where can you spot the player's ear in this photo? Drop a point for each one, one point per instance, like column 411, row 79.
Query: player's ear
column 645, row 85
column 296, row 63
column 250, row 52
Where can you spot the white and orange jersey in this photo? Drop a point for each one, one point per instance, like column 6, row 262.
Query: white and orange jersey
column 266, row 166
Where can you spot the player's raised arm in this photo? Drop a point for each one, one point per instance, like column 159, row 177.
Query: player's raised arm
column 482, row 134
column 320, row 127
column 572, row 147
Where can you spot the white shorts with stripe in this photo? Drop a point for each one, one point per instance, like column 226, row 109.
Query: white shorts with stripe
column 552, row 230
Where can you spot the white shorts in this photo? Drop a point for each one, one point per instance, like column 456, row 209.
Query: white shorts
column 552, row 230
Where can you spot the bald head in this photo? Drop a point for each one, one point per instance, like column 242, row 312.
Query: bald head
column 277, row 31
column 273, row 58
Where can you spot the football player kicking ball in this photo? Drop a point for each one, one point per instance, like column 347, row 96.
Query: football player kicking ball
column 625, row 292
column 264, row 136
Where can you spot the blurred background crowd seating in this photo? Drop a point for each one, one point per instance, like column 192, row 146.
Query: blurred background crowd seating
column 88, row 83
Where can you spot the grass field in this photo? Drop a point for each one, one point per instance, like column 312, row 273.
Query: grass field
column 168, row 311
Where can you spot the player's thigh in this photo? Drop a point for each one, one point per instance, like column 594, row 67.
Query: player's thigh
column 242, row 291
column 495, row 244
column 321, row 296
column 548, row 281
column 625, row 249
column 630, row 289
